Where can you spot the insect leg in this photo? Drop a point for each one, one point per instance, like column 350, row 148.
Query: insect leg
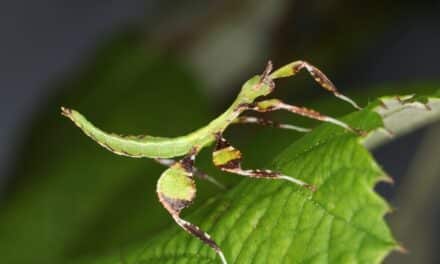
column 165, row 162
column 227, row 158
column 197, row 173
column 276, row 104
column 267, row 122
column 176, row 190
column 296, row 66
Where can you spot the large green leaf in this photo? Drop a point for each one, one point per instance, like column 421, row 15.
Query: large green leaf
column 263, row 221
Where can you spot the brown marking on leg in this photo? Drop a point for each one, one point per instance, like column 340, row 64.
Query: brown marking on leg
column 200, row 234
column 227, row 158
column 197, row 232
column 275, row 104
column 265, row 78
column 303, row 111
column 231, row 164
column 196, row 172
column 320, row 77
column 179, row 171
column 221, row 142
column 187, row 162
column 322, row 80
column 174, row 206
column 267, row 70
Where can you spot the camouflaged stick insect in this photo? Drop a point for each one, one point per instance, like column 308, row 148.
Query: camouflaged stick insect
column 176, row 186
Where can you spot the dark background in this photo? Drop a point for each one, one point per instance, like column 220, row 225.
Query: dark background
column 46, row 45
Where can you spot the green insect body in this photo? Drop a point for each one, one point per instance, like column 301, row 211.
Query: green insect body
column 176, row 186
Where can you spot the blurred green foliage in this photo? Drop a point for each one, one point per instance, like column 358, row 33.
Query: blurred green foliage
column 72, row 197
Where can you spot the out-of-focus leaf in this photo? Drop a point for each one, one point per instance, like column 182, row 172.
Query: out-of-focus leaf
column 403, row 114
column 73, row 197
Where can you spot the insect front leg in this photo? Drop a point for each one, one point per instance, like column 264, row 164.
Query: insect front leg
column 197, row 173
column 227, row 158
column 296, row 66
column 176, row 190
column 267, row 122
column 276, row 104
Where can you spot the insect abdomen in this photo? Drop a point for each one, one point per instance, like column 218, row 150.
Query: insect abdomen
column 132, row 146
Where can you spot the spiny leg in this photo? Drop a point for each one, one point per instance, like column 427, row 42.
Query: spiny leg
column 276, row 104
column 268, row 122
column 176, row 190
column 227, row 158
column 296, row 66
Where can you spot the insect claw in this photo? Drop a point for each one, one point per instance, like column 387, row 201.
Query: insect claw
column 204, row 176
column 388, row 179
column 360, row 132
column 311, row 187
column 402, row 249
column 348, row 100
column 222, row 256
column 216, row 183
column 299, row 182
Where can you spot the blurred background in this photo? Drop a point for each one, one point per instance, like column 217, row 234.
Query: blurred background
column 167, row 67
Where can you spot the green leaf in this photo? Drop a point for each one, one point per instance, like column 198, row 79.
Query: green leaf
column 263, row 221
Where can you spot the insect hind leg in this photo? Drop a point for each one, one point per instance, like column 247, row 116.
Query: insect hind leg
column 204, row 237
column 269, row 123
column 176, row 190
